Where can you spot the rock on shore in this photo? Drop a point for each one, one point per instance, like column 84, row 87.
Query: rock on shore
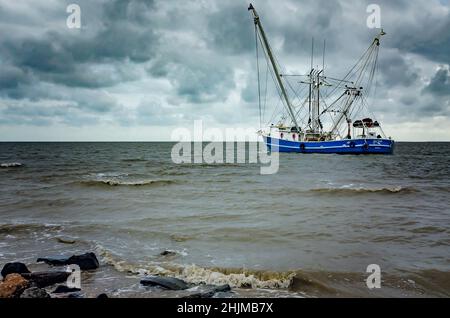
column 14, row 268
column 35, row 292
column 44, row 279
column 86, row 261
column 13, row 285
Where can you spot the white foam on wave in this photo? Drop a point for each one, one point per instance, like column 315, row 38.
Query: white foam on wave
column 115, row 182
column 11, row 164
column 109, row 175
column 350, row 188
column 200, row 275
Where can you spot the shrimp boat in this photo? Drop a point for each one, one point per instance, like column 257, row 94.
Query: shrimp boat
column 333, row 114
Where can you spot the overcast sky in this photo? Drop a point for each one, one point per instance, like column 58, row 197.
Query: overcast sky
column 137, row 69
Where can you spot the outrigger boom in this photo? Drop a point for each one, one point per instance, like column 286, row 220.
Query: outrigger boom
column 274, row 64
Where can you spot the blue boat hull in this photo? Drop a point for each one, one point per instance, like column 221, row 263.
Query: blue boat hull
column 346, row 146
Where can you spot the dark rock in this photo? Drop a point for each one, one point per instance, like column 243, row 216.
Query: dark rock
column 44, row 279
column 85, row 261
column 35, row 292
column 222, row 288
column 168, row 253
column 60, row 289
column 16, row 267
column 13, row 285
column 75, row 295
column 101, row 296
column 171, row 283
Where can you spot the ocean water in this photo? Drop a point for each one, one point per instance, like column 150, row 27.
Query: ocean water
column 309, row 230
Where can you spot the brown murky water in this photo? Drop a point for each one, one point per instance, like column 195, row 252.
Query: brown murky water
column 308, row 231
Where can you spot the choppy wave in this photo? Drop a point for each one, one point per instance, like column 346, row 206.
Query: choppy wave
column 8, row 228
column 133, row 160
column 11, row 165
column 108, row 175
column 428, row 230
column 114, row 182
column 360, row 190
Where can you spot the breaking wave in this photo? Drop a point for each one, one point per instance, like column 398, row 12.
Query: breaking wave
column 235, row 277
column 13, row 228
column 347, row 190
column 11, row 165
column 137, row 183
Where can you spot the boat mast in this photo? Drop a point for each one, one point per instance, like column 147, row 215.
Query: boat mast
column 317, row 111
column 310, row 95
column 352, row 93
column 310, row 82
column 274, row 65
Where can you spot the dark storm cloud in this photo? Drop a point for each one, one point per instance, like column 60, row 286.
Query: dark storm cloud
column 314, row 19
column 65, row 57
column 396, row 71
column 440, row 83
column 197, row 80
column 430, row 37
column 70, row 58
column 203, row 82
column 75, row 59
column 11, row 77
column 230, row 30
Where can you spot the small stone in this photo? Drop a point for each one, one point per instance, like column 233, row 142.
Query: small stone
column 168, row 253
column 16, row 267
column 66, row 240
column 102, row 296
column 12, row 286
column 35, row 292
column 222, row 288
column 61, row 289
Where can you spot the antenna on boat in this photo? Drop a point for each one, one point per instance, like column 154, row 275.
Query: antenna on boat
column 323, row 58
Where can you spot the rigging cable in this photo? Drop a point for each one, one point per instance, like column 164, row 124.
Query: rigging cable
column 272, row 74
column 259, row 85
column 265, row 91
